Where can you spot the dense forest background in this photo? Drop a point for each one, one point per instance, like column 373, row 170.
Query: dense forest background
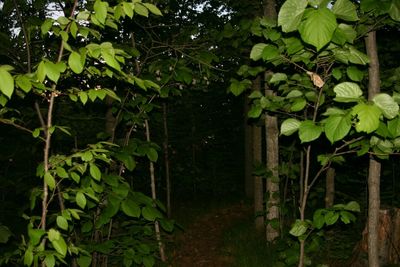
column 119, row 119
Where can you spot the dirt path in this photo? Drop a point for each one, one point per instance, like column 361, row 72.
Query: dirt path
column 200, row 245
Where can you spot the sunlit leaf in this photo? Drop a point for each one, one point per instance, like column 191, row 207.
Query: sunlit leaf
column 291, row 13
column 367, row 117
column 346, row 10
column 7, row 81
column 347, row 92
column 309, row 131
column 290, row 126
column 386, row 103
column 337, row 127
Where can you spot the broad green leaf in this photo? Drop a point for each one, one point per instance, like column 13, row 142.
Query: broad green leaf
column 347, row 217
column 128, row 8
column 386, row 103
column 131, row 208
column 75, row 62
column 270, row 52
column 153, row 9
column 278, row 77
column 150, row 213
column 87, row 156
column 318, row 219
column 352, row 206
column 293, row 45
column 83, row 97
column 50, row 261
column 50, row 181
column 100, row 9
column 318, row 27
column 61, row 172
column 344, row 33
column 394, row 10
column 62, row 222
column 331, row 217
column 148, row 261
column 354, row 73
column 298, row 104
column 84, row 261
column 141, row 10
column 110, row 60
column 35, row 235
column 152, row 154
column 290, row 126
column 238, row 87
column 5, row 234
column 257, row 51
column 294, row 94
column 308, row 131
column 255, row 111
column 80, row 199
column 128, row 160
column 73, row 29
column 46, row 26
column 394, row 127
column 95, row 171
column 290, row 14
column 367, row 117
column 347, row 92
column 7, row 81
column 60, row 246
column 337, row 127
column 299, row 228
column 337, row 73
column 24, row 83
column 346, row 10
column 28, row 256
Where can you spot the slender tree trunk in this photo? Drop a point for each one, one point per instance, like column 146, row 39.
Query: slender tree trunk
column 272, row 150
column 330, row 188
column 374, row 170
column 258, row 181
column 248, row 153
column 154, row 197
column 166, row 158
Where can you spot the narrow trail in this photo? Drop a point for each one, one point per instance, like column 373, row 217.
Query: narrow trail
column 201, row 244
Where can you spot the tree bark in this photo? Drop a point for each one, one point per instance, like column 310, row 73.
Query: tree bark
column 272, row 151
column 166, row 158
column 248, row 153
column 374, row 170
column 258, row 181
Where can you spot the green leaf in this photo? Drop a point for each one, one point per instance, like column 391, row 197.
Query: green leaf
column 346, row 10
column 35, row 235
column 153, row 9
column 150, row 213
column 62, row 222
column 24, row 83
column 83, row 97
column 28, row 256
column 87, row 156
column 257, row 51
column 61, row 172
column 255, row 111
column 141, row 10
column 128, row 8
column 131, row 208
column 7, row 81
column 5, row 234
column 318, row 219
column 75, row 62
column 109, row 58
column 344, row 33
column 386, row 103
column 270, row 52
column 347, row 92
column 100, row 9
column 367, row 117
column 298, row 104
column 46, row 26
column 80, row 199
column 299, row 228
column 290, row 14
column 84, row 261
column 331, row 217
column 148, row 261
column 346, row 217
column 308, row 131
column 152, row 154
column 278, row 77
column 337, row 73
column 318, row 27
column 50, row 181
column 50, row 261
column 337, row 127
column 354, row 73
column 290, row 126
column 238, row 87
column 394, row 127
column 95, row 171
column 352, row 206
column 60, row 246
column 394, row 10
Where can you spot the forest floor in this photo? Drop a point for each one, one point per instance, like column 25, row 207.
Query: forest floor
column 201, row 243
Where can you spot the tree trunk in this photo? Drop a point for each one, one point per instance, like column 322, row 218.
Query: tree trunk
column 166, row 159
column 330, row 188
column 248, row 156
column 258, row 181
column 374, row 166
column 272, row 151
